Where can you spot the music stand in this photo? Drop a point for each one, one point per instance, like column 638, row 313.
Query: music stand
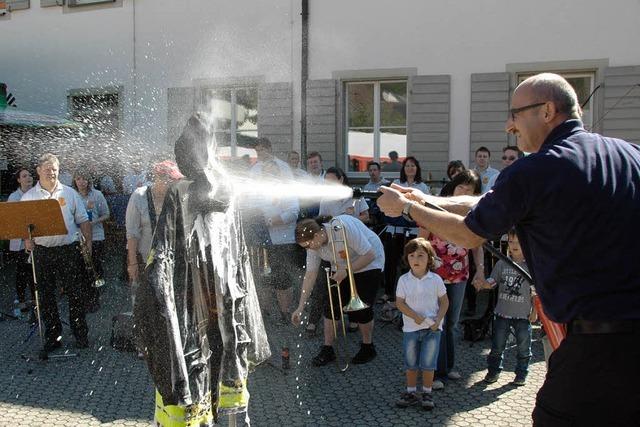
column 26, row 220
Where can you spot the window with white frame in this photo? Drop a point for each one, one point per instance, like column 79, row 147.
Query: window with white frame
column 236, row 112
column 583, row 83
column 376, row 122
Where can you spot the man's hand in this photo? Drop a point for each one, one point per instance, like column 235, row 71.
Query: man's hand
column 29, row 245
column 411, row 193
column 419, row 319
column 339, row 276
column 392, row 200
column 435, row 326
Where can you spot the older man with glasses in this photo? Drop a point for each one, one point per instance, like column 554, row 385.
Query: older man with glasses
column 575, row 204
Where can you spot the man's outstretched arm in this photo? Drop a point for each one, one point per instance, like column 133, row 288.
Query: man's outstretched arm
column 447, row 225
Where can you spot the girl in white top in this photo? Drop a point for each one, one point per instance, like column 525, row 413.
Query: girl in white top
column 357, row 208
column 422, row 299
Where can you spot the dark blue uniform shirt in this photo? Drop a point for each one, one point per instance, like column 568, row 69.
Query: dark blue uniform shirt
column 576, row 208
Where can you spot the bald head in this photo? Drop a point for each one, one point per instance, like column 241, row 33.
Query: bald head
column 554, row 88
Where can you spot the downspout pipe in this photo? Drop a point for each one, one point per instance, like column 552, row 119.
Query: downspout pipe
column 304, row 76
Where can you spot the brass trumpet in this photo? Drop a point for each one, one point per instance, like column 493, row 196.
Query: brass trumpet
column 266, row 268
column 88, row 262
column 355, row 303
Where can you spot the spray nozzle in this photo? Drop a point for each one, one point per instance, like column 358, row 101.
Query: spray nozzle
column 359, row 192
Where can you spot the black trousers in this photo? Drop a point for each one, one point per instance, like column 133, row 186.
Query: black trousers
column 319, row 295
column 24, row 276
column 92, row 294
column 592, row 380
column 393, row 252
column 61, row 266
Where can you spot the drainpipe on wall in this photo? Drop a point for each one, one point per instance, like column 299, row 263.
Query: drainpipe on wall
column 304, row 76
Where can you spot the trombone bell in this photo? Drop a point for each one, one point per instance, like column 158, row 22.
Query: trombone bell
column 355, row 304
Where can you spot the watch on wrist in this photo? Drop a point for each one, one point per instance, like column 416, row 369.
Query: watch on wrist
column 406, row 211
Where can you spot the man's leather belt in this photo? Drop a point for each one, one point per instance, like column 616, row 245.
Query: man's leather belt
column 581, row 326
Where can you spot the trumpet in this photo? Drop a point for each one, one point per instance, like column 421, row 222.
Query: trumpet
column 88, row 262
column 355, row 303
column 266, row 268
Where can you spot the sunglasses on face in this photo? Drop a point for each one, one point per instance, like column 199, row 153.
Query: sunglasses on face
column 512, row 158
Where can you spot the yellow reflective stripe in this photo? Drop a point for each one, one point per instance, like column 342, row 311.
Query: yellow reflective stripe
column 234, row 396
column 179, row 416
column 152, row 253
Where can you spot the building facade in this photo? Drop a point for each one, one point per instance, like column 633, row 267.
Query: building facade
column 429, row 79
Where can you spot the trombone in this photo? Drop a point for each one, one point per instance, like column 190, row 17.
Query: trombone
column 341, row 366
column 355, row 303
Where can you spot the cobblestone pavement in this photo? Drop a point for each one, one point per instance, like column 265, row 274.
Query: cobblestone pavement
column 102, row 386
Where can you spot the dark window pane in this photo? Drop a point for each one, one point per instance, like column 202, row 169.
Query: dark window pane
column 360, row 109
column 393, row 104
column 247, row 109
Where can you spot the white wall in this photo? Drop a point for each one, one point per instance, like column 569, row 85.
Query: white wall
column 464, row 37
column 46, row 51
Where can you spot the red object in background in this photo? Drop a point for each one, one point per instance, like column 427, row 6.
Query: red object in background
column 556, row 332
column 359, row 163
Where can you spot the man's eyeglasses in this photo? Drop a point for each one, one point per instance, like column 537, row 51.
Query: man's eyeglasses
column 510, row 158
column 515, row 111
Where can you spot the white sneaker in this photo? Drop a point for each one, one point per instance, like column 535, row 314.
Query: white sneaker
column 437, row 385
column 454, row 375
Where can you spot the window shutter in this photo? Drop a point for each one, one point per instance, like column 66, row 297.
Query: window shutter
column 48, row 3
column 428, row 123
column 180, row 106
column 489, row 110
column 321, row 119
column 622, row 119
column 17, row 4
column 275, row 115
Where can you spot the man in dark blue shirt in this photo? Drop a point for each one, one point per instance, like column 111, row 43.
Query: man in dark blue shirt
column 575, row 203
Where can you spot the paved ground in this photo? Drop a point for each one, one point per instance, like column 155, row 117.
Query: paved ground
column 106, row 387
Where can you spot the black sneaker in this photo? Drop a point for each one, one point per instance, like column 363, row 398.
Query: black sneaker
column 426, row 401
column 82, row 343
column 325, row 356
column 49, row 346
column 366, row 354
column 407, row 398
column 520, row 380
column 491, row 377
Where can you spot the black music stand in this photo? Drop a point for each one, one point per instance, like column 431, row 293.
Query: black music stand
column 26, row 220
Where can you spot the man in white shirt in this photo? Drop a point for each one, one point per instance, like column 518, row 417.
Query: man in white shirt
column 293, row 158
column 264, row 152
column 314, row 166
column 487, row 174
column 375, row 180
column 58, row 259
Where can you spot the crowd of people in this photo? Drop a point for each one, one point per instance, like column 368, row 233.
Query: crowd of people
column 376, row 244
column 394, row 251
